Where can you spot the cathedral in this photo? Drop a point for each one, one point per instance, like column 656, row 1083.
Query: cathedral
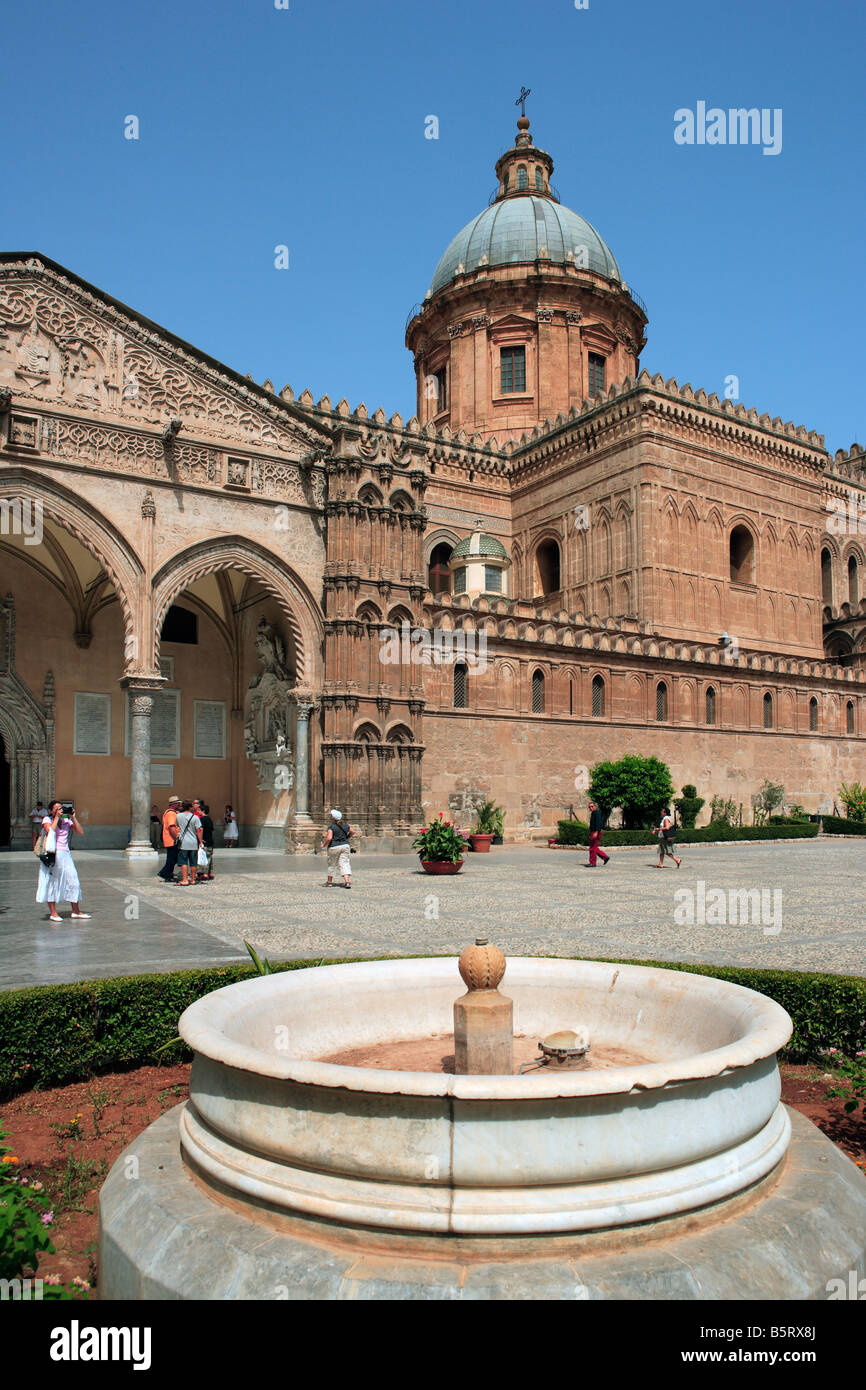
column 211, row 588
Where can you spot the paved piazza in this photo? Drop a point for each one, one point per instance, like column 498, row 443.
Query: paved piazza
column 529, row 901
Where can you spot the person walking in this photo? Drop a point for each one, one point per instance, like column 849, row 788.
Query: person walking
column 169, row 839
column 155, row 827
column 596, row 826
column 189, row 839
column 202, row 810
column 230, row 829
column 336, row 842
column 667, row 839
column 37, row 815
column 59, row 882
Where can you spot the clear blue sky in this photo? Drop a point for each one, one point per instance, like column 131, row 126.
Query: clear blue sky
column 305, row 127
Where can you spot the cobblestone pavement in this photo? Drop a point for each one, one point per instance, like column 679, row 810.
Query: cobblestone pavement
column 806, row 911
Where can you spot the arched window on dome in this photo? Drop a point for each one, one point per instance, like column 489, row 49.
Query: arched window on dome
column 505, row 178
column 539, row 177
column 522, row 179
column 439, row 572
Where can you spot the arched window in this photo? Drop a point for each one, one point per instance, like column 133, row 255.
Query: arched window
column 505, row 179
column 826, row 576
column 180, row 625
column 522, row 180
column 571, row 697
column 661, row 702
column 461, row 686
column 768, row 711
column 539, row 177
column 853, row 582
column 547, row 568
column 598, row 697
column 439, row 574
column 538, row 692
column 813, row 714
column 460, row 580
column 710, row 704
column 742, row 556
column 849, row 717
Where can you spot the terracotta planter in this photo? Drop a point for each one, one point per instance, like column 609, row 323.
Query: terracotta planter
column 441, row 866
column 481, row 841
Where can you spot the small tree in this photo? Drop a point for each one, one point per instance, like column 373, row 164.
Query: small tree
column 723, row 811
column 853, row 798
column 765, row 801
column 641, row 786
column 689, row 806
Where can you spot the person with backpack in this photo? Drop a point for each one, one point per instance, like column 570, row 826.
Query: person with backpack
column 189, row 839
column 336, row 842
column 667, row 834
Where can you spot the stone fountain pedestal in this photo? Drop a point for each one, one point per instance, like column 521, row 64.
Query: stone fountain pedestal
column 677, row 1175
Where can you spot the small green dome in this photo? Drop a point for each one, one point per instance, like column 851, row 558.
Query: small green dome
column 481, row 545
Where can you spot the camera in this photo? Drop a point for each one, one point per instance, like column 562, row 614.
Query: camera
column 68, row 808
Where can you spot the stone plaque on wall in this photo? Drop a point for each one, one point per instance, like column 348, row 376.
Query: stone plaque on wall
column 92, row 724
column 164, row 725
column 210, row 729
column 161, row 775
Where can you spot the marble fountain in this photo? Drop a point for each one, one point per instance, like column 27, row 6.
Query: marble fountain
column 330, row 1150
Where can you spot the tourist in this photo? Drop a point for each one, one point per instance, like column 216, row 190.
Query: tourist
column 230, row 829
column 188, row 839
column 155, row 827
column 202, row 810
column 170, row 839
column 37, row 815
column 59, row 882
column 667, row 839
column 596, row 826
column 337, row 844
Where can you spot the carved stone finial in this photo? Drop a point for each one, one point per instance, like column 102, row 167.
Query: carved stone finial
column 481, row 966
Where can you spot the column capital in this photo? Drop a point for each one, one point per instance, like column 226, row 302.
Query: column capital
column 142, row 685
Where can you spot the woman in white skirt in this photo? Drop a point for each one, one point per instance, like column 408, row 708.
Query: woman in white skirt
column 60, row 883
column 230, row 829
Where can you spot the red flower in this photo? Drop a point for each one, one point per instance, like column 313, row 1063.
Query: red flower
column 447, row 823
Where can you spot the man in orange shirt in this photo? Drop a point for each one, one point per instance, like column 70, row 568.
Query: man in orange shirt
column 169, row 839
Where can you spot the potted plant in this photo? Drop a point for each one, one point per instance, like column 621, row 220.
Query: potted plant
column 440, row 847
column 481, row 838
column 499, row 822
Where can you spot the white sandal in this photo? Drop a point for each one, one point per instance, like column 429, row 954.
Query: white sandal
column 54, row 919
column 82, row 916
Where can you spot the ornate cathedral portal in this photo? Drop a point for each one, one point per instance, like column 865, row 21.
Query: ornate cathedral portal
column 213, row 589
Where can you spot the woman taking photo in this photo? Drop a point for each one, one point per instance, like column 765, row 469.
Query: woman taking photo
column 59, row 883
column 230, row 829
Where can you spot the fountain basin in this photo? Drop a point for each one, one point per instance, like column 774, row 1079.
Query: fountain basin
column 695, row 1121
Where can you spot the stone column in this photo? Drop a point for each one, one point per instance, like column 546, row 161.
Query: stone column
column 302, row 783
column 141, row 709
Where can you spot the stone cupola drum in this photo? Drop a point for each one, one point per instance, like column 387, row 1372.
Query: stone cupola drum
column 527, row 313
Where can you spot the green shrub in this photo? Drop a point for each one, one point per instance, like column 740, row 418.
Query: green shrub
column 839, row 825
column 641, row 786
column 853, row 798
column 58, row 1034
column 572, row 832
column 689, row 806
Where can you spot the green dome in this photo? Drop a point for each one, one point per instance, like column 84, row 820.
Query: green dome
column 519, row 230
column 479, row 544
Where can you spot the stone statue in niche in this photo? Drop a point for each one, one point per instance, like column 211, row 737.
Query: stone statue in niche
column 267, row 713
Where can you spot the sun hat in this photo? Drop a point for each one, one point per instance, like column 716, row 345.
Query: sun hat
column 174, row 798
column 336, row 815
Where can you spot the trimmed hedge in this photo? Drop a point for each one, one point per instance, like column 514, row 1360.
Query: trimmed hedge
column 54, row 1035
column 839, row 825
column 572, row 832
